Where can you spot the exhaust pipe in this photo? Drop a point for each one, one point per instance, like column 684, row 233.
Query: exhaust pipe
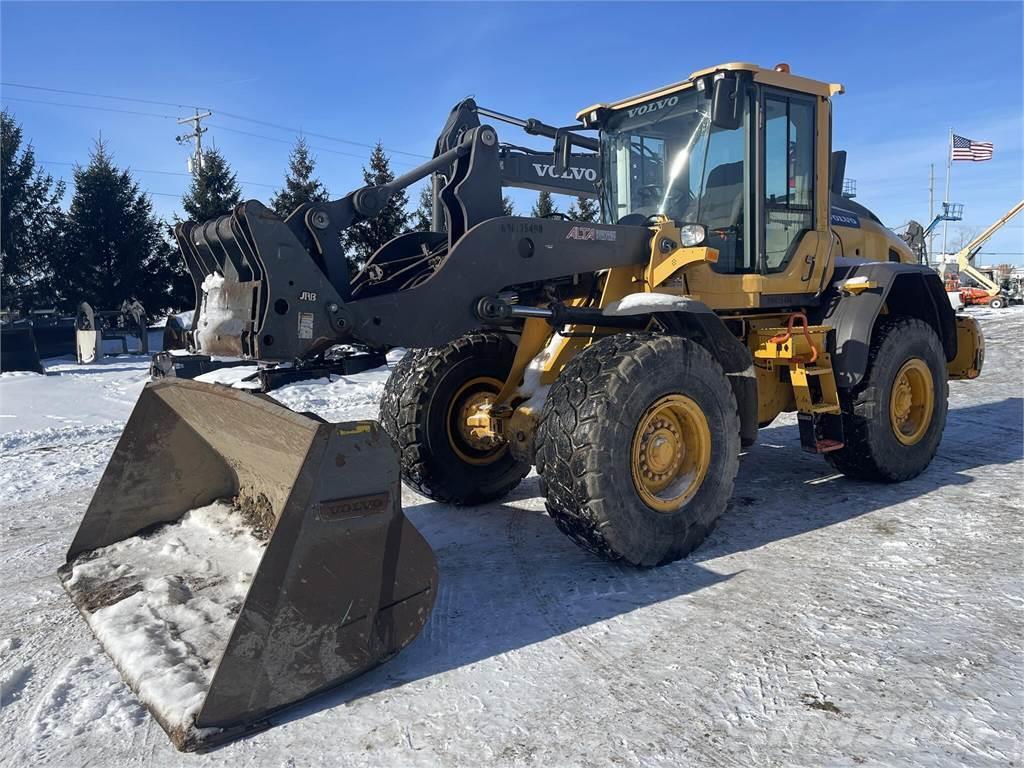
column 238, row 557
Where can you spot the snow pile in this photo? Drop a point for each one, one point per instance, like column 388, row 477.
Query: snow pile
column 239, row 376
column 217, row 318
column 654, row 302
column 163, row 605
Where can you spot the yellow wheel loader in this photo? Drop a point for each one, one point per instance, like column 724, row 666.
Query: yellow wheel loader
column 628, row 361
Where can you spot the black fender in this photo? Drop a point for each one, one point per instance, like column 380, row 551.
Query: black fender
column 911, row 290
column 694, row 320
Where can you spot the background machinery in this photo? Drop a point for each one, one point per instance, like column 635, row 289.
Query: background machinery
column 628, row 361
column 94, row 327
column 916, row 236
column 986, row 291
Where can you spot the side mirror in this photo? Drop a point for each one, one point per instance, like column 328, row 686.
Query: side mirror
column 727, row 103
column 563, row 152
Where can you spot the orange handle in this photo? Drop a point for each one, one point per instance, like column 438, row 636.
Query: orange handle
column 783, row 338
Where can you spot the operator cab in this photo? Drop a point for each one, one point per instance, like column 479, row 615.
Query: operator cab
column 737, row 149
column 670, row 155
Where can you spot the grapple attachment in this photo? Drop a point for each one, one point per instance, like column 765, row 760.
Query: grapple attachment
column 262, row 286
column 238, row 557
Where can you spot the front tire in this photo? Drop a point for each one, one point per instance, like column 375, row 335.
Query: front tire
column 893, row 420
column 638, row 447
column 423, row 399
column 997, row 303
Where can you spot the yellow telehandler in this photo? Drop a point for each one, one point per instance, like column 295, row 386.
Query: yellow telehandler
column 629, row 361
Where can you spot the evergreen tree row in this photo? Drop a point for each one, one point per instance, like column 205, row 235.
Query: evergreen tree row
column 107, row 247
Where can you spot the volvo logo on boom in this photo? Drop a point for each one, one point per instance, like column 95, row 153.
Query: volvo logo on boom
column 653, row 106
column 570, row 173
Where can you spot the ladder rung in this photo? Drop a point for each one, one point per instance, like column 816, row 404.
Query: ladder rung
column 818, row 370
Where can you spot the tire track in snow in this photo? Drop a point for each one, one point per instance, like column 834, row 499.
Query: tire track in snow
column 617, row 677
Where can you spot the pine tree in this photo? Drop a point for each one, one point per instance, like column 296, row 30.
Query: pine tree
column 300, row 186
column 507, row 208
column 362, row 240
column 114, row 248
column 584, row 209
column 214, row 190
column 545, row 206
column 31, row 222
column 421, row 218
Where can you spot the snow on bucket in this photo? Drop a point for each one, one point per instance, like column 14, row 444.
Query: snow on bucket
column 238, row 557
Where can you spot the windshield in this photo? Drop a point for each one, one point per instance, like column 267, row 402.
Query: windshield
column 665, row 157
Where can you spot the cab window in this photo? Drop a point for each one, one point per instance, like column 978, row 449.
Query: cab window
column 788, row 176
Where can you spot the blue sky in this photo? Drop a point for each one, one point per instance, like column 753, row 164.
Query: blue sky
column 390, row 72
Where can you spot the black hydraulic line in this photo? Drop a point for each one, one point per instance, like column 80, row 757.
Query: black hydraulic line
column 535, row 127
column 368, row 201
column 495, row 310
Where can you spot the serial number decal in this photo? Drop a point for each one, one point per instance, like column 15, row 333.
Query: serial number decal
column 520, row 227
column 357, row 506
column 305, row 325
column 591, row 233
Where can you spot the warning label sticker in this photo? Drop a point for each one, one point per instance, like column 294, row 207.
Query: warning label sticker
column 305, row 325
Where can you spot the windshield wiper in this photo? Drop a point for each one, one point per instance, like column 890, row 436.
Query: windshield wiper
column 681, row 159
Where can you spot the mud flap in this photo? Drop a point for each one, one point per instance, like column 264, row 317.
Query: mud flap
column 344, row 583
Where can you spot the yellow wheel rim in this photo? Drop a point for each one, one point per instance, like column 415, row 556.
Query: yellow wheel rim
column 468, row 446
column 912, row 401
column 671, row 453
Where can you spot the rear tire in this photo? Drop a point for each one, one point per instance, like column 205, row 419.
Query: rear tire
column 424, row 391
column 997, row 303
column 876, row 447
column 595, row 426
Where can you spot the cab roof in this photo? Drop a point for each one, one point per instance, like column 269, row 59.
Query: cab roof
column 776, row 76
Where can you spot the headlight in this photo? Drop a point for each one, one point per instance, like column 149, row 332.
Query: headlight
column 692, row 234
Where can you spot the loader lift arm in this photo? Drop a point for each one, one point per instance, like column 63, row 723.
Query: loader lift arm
column 274, row 314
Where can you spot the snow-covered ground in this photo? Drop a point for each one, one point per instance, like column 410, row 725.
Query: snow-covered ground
column 825, row 622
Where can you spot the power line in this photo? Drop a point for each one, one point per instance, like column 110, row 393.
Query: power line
column 88, row 106
column 282, row 141
column 316, row 135
column 100, row 95
column 311, row 146
column 162, row 173
column 232, row 115
column 219, row 127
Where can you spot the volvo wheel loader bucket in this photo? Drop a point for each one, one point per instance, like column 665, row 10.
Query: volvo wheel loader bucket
column 238, row 557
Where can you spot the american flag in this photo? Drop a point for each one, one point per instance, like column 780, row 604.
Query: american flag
column 965, row 149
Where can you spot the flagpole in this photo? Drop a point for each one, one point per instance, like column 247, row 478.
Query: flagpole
column 945, row 200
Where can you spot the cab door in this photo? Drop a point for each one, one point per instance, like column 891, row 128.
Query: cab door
column 794, row 242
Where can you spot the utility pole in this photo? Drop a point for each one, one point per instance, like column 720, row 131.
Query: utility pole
column 196, row 162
